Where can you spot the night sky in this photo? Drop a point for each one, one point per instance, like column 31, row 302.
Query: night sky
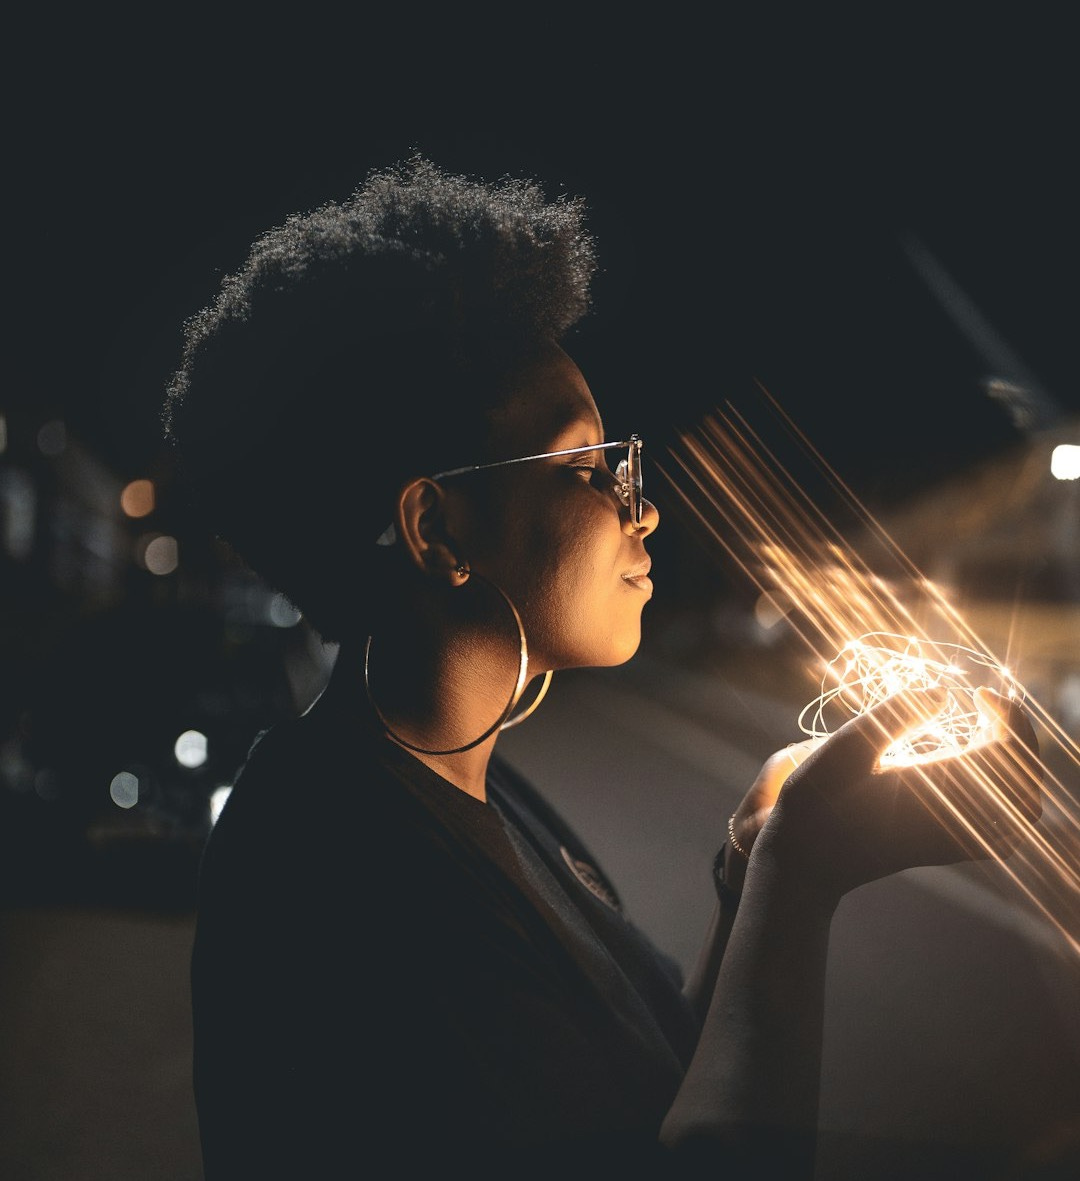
column 756, row 192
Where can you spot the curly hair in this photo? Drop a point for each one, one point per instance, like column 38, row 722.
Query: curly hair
column 360, row 344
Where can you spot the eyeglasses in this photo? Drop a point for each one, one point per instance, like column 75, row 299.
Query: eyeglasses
column 627, row 475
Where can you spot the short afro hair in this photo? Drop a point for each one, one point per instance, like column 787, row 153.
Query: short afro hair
column 360, row 344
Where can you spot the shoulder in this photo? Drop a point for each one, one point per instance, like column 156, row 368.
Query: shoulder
column 323, row 810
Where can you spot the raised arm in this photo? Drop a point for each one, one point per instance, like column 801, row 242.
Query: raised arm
column 750, row 1096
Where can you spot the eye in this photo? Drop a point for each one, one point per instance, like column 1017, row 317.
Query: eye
column 586, row 469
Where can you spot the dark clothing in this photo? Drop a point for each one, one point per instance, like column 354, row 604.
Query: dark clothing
column 391, row 975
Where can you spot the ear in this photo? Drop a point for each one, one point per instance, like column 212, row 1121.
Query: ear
column 423, row 529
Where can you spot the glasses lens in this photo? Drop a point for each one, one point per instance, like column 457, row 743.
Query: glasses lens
column 633, row 479
column 628, row 474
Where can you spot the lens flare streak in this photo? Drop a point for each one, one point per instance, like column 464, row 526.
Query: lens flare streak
column 869, row 635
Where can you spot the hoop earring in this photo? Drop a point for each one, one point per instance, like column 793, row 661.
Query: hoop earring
column 503, row 721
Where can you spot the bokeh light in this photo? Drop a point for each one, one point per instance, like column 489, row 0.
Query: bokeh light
column 1065, row 462
column 52, row 438
column 137, row 498
column 217, row 801
column 124, row 789
column 190, row 749
column 160, row 553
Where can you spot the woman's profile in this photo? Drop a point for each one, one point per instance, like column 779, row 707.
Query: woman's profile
column 405, row 959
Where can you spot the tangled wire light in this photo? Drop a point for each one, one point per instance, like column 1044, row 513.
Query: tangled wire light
column 878, row 665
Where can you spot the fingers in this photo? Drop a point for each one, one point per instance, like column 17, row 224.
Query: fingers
column 780, row 765
column 774, row 772
column 1004, row 718
column 986, row 799
column 1011, row 763
column 798, row 751
column 990, row 794
column 757, row 804
column 879, row 819
column 1013, row 749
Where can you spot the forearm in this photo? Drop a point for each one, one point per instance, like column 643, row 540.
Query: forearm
column 728, row 876
column 751, row 1092
column 701, row 982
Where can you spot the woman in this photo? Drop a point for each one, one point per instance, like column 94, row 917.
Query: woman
column 403, row 956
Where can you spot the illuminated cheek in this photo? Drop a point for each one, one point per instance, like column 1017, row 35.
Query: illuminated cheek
column 568, row 614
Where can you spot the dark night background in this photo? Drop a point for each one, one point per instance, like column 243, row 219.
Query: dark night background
column 759, row 189
column 751, row 192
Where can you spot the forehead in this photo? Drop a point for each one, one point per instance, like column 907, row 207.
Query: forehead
column 548, row 405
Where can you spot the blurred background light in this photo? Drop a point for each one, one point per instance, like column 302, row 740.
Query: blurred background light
column 160, row 553
column 1065, row 462
column 190, row 749
column 46, row 784
column 18, row 513
column 124, row 789
column 217, row 801
column 52, row 438
column 137, row 498
column 282, row 613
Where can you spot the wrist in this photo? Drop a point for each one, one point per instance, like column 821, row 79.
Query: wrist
column 736, row 853
column 733, row 839
column 728, row 891
column 729, row 868
column 786, row 871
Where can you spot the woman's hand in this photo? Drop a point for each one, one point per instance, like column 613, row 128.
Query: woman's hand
column 835, row 814
column 757, row 804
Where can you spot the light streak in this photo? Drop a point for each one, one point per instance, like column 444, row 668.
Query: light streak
column 740, row 497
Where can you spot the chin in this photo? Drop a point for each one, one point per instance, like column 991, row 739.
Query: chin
column 625, row 647
column 593, row 646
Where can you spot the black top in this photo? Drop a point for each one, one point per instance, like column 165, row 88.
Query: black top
column 390, row 973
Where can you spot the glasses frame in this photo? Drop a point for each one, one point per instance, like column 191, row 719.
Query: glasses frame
column 627, row 473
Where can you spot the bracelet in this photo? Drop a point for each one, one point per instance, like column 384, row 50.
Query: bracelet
column 734, row 840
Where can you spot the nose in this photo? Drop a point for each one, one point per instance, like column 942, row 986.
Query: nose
column 650, row 518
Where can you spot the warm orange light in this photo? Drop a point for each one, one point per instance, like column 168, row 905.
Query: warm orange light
column 137, row 499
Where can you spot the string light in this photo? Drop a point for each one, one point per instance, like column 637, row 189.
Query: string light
column 879, row 665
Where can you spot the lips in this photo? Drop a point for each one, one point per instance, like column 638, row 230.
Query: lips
column 639, row 577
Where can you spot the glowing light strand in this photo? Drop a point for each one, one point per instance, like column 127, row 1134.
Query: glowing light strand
column 879, row 665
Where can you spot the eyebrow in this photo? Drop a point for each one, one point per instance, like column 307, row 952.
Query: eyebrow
column 580, row 433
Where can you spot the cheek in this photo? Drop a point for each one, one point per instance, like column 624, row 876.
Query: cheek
column 568, row 598
column 538, row 548
column 551, row 570
column 560, row 567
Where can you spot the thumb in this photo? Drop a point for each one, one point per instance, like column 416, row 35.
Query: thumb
column 1003, row 717
column 777, row 768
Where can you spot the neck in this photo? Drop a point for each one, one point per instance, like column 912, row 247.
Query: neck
column 466, row 770
column 453, row 730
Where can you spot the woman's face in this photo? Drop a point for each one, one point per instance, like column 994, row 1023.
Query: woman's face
column 552, row 532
